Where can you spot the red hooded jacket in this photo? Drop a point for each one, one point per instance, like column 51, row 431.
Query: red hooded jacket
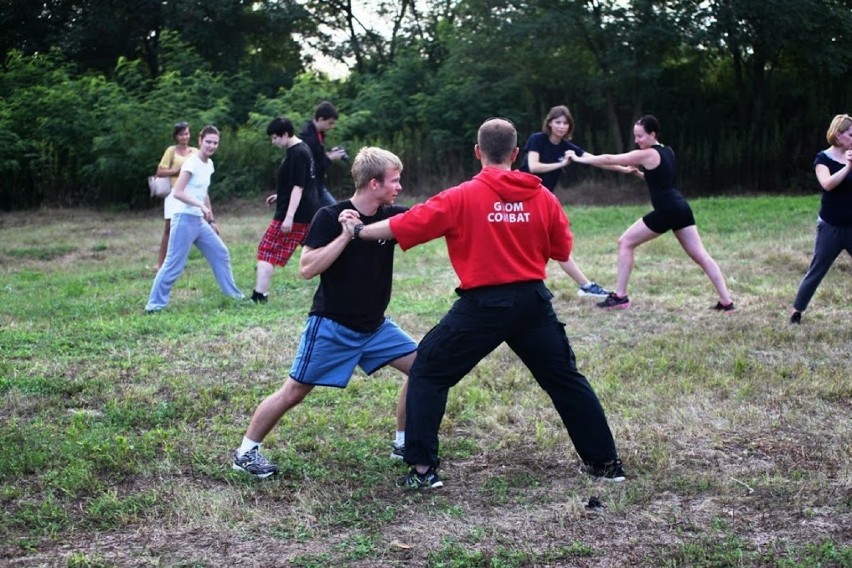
column 501, row 227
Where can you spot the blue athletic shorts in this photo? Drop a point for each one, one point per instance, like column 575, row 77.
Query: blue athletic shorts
column 328, row 351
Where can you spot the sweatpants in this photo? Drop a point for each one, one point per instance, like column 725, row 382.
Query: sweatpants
column 831, row 240
column 188, row 230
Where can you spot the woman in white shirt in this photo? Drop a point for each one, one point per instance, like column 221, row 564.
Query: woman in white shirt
column 191, row 224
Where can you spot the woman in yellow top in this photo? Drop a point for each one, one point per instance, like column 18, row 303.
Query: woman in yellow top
column 170, row 165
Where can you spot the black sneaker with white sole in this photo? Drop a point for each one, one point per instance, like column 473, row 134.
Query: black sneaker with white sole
column 415, row 480
column 397, row 451
column 610, row 471
column 254, row 463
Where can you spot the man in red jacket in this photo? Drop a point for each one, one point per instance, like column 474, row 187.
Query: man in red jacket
column 501, row 228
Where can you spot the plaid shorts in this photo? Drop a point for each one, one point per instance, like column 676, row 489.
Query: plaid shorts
column 276, row 247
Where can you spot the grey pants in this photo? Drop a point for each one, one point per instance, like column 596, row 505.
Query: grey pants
column 186, row 231
column 830, row 241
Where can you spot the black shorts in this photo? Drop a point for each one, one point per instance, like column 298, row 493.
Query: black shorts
column 673, row 217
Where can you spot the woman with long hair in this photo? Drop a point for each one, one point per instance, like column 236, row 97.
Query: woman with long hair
column 546, row 156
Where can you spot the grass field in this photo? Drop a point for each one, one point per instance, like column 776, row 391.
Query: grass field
column 117, row 427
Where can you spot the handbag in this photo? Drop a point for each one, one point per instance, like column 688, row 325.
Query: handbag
column 159, row 186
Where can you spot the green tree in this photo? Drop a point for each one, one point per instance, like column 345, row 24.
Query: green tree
column 230, row 35
column 362, row 40
column 758, row 44
column 136, row 129
column 47, row 116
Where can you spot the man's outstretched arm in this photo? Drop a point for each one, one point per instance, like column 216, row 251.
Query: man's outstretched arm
column 372, row 232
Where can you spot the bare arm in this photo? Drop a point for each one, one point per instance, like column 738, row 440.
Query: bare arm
column 371, row 232
column 211, row 219
column 295, row 199
column 538, row 167
column 634, row 170
column 167, row 172
column 317, row 260
column 168, row 158
column 647, row 158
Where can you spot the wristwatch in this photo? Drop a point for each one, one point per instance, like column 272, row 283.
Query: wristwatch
column 357, row 231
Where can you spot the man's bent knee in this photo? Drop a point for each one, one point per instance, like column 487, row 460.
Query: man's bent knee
column 293, row 392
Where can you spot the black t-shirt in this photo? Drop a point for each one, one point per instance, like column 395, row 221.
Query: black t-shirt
column 548, row 153
column 355, row 290
column 297, row 169
column 836, row 206
column 313, row 139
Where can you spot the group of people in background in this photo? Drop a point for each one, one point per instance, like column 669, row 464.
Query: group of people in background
column 500, row 218
column 551, row 150
column 301, row 191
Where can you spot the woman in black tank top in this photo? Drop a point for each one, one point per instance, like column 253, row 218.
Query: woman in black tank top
column 671, row 212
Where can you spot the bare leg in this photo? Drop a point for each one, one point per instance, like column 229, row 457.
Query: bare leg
column 400, row 406
column 164, row 244
column 573, row 271
column 402, row 364
column 691, row 243
column 264, row 276
column 274, row 407
column 634, row 236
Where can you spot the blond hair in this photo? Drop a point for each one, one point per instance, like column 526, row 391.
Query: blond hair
column 840, row 123
column 373, row 163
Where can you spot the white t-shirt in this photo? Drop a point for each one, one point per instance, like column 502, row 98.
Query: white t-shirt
column 197, row 185
column 171, row 159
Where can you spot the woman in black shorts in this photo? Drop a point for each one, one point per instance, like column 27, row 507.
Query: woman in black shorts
column 671, row 212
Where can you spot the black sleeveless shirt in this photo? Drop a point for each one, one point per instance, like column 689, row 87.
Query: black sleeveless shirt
column 662, row 179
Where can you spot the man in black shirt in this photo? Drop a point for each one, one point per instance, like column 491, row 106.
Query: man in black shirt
column 296, row 202
column 346, row 325
column 313, row 133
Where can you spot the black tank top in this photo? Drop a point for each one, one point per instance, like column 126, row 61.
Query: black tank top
column 661, row 180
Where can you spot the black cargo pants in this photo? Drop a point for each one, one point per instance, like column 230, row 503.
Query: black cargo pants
column 521, row 315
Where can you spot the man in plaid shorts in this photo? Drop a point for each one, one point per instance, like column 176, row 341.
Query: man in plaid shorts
column 296, row 202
